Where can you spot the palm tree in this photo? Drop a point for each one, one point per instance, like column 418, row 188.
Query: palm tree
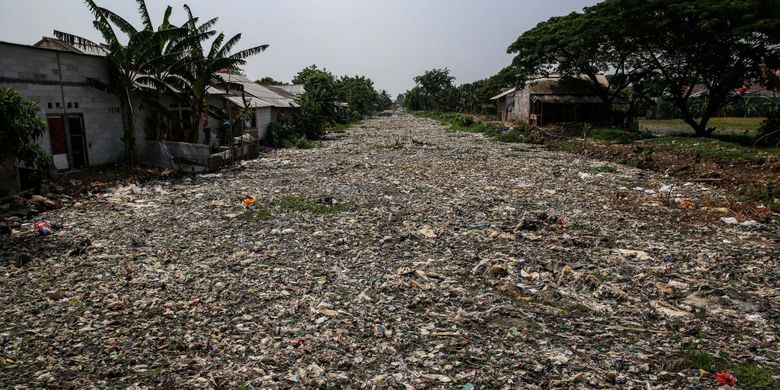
column 163, row 74
column 203, row 67
column 128, row 61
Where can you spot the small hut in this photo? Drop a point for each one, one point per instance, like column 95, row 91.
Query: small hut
column 553, row 99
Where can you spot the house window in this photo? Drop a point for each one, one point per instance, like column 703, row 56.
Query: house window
column 49, row 105
column 76, row 104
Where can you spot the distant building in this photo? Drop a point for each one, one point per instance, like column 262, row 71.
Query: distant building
column 553, row 99
column 749, row 100
column 271, row 103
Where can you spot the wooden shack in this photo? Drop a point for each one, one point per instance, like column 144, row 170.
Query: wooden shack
column 552, row 99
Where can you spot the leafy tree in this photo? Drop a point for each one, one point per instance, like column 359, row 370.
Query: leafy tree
column 385, row 101
column 416, row 99
column 359, row 94
column 719, row 44
column 589, row 44
column 20, row 127
column 679, row 43
column 307, row 73
column 267, row 80
column 769, row 132
column 435, row 91
column 316, row 106
column 162, row 74
column 399, row 100
column 435, row 85
column 203, row 67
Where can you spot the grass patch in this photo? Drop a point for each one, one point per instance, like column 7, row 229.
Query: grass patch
column 749, row 376
column 341, row 128
column 567, row 145
column 722, row 124
column 324, row 205
column 469, row 124
column 619, row 136
column 295, row 143
column 709, row 147
column 606, row 168
column 765, row 193
column 303, row 143
column 294, row 203
column 263, row 213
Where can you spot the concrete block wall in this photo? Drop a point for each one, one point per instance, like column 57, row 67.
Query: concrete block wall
column 34, row 73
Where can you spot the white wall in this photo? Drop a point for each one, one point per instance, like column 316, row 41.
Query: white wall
column 263, row 118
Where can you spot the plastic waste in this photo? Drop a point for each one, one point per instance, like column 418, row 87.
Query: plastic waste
column 249, row 200
column 724, row 378
column 43, row 228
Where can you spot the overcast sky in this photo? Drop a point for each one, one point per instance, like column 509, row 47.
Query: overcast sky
column 390, row 41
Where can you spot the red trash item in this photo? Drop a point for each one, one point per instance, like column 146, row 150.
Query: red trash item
column 724, row 378
column 249, row 200
column 43, row 228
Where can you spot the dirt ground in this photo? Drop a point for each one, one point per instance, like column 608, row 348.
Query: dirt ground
column 398, row 255
column 740, row 179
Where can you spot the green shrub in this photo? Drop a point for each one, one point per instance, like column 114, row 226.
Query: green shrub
column 769, row 132
column 470, row 124
column 20, row 127
column 281, row 135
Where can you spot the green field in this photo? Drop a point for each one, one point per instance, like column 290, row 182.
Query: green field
column 729, row 125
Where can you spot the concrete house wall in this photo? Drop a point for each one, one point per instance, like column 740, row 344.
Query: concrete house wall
column 522, row 105
column 57, row 81
column 267, row 115
column 264, row 117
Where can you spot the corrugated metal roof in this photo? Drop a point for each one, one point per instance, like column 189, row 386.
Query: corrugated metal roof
column 74, row 47
column 265, row 95
column 296, row 89
column 559, row 86
column 567, row 99
column 502, row 94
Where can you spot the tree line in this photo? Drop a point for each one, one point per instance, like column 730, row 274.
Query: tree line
column 328, row 100
column 435, row 90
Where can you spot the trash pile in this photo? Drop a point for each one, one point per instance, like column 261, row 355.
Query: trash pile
column 398, row 256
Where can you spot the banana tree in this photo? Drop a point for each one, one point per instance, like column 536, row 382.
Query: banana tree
column 163, row 73
column 202, row 68
column 128, row 61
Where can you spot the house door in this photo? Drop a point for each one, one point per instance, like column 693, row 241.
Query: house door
column 78, row 141
column 59, row 146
